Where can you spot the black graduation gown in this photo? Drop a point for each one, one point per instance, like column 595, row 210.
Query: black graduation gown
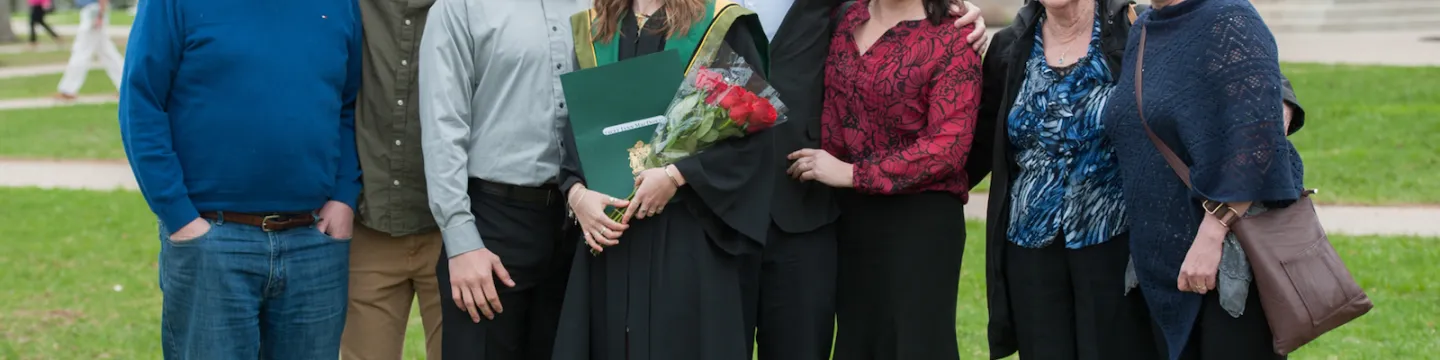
column 672, row 287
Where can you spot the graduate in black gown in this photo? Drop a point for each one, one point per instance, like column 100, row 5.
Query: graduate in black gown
column 668, row 284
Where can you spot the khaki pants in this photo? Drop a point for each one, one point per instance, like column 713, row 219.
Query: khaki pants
column 386, row 273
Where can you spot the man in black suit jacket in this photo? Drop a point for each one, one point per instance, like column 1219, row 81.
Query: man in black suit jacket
column 795, row 294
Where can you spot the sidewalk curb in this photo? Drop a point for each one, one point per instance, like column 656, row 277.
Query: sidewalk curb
column 45, row 103
column 112, row 175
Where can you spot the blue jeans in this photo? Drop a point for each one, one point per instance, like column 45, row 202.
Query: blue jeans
column 237, row 292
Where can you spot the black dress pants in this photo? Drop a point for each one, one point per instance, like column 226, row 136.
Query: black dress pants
column 1219, row 336
column 899, row 276
column 37, row 17
column 1071, row 304
column 791, row 302
column 528, row 234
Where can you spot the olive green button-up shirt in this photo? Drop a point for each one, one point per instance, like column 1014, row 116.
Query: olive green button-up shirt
column 387, row 122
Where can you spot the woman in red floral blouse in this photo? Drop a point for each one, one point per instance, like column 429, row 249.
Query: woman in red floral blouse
column 902, row 89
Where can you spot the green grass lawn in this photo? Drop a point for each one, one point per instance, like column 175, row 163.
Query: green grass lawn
column 75, row 132
column 46, row 55
column 44, row 85
column 1371, row 134
column 80, row 283
column 72, row 17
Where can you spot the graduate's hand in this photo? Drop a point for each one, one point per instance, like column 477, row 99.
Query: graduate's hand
column 653, row 189
column 589, row 208
column 970, row 14
column 472, row 283
column 819, row 165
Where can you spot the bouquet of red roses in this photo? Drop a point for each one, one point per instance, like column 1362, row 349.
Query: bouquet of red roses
column 723, row 97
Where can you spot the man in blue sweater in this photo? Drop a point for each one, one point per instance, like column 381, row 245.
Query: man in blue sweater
column 238, row 120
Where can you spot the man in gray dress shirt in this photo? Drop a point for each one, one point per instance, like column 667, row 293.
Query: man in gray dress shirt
column 492, row 114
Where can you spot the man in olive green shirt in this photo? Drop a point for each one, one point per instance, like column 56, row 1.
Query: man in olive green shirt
column 396, row 242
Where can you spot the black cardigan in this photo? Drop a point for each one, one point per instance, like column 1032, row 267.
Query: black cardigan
column 1004, row 74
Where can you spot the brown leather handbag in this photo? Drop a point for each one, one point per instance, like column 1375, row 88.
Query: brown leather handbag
column 1305, row 289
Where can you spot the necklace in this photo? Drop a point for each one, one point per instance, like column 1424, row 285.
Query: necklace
column 1065, row 46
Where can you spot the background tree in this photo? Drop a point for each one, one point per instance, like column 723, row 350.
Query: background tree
column 7, row 34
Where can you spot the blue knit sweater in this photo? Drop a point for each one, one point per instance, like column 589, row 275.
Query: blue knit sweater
column 1213, row 94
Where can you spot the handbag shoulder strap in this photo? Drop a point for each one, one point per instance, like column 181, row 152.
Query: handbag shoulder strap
column 1179, row 166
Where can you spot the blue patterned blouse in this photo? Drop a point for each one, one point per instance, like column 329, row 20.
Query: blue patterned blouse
column 1068, row 181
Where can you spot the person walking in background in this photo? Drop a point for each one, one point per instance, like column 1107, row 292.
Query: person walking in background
column 897, row 148
column 1212, row 94
column 246, row 154
column 92, row 39
column 492, row 115
column 38, row 10
column 396, row 244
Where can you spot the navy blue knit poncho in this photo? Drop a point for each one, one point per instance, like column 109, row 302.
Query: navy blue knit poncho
column 1213, row 94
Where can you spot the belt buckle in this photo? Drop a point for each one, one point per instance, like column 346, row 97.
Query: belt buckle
column 264, row 222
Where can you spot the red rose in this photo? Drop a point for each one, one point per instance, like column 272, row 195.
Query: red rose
column 716, row 93
column 762, row 117
column 740, row 114
column 708, row 80
column 733, row 97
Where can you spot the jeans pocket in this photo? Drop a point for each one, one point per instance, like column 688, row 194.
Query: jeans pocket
column 169, row 236
column 332, row 238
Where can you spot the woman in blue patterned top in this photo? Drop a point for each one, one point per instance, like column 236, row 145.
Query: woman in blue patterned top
column 1058, row 244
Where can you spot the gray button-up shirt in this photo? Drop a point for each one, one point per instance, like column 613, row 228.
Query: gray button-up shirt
column 491, row 106
column 388, row 133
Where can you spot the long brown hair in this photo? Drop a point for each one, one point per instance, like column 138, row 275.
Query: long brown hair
column 680, row 15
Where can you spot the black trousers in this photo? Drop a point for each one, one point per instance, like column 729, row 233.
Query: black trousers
column 1071, row 304
column 791, row 303
column 530, row 238
column 37, row 17
column 1218, row 336
column 899, row 276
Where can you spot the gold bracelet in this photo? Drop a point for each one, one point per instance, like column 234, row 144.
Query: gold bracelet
column 582, row 198
column 671, row 176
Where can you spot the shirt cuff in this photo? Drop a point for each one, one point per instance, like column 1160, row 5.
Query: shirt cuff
column 461, row 238
column 347, row 192
column 178, row 214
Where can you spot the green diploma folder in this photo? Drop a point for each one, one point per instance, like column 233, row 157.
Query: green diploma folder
column 613, row 112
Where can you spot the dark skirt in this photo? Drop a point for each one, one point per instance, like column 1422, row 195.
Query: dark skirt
column 1072, row 304
column 666, row 291
column 899, row 276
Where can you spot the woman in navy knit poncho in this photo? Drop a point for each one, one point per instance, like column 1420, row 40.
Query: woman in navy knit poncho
column 1212, row 92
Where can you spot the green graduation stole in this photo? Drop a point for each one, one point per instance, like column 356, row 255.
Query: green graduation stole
column 720, row 15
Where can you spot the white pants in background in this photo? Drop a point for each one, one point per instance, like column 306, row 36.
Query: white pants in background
column 88, row 42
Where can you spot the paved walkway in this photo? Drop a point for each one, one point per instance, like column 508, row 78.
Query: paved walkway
column 41, row 103
column 68, row 31
column 1399, row 48
column 93, row 175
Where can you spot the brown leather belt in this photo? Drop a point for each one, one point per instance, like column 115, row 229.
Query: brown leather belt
column 545, row 194
column 266, row 222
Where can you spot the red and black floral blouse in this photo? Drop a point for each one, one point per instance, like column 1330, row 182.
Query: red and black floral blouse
column 903, row 112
